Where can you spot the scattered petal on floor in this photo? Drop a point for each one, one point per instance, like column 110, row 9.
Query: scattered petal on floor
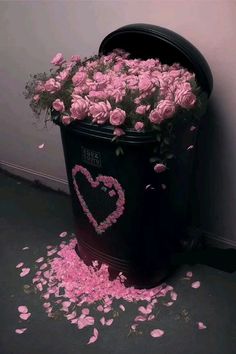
column 144, row 311
column 20, row 330
column 23, row 309
column 94, row 337
column 24, row 272
column 173, row 296
column 103, row 321
column 163, row 186
column 25, row 316
column 85, row 311
column 196, row 284
column 39, row 260
column 41, row 146
column 157, row 333
column 190, row 147
column 140, row 318
column 25, row 248
column 192, row 128
column 201, row 325
column 189, row 274
column 19, row 265
column 168, row 303
column 122, row 307
column 63, row 234
column 151, row 317
column 134, row 326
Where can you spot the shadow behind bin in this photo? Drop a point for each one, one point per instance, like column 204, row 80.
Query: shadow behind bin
column 120, row 221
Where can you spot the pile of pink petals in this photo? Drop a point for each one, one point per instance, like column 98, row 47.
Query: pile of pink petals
column 78, row 291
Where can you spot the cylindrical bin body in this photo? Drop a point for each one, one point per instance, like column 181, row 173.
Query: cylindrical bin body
column 127, row 215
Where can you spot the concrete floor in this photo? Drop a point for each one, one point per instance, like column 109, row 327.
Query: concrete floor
column 34, row 217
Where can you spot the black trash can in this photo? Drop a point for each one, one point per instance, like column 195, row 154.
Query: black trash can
column 127, row 215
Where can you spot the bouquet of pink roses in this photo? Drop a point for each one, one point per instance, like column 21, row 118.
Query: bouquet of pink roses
column 113, row 89
column 141, row 95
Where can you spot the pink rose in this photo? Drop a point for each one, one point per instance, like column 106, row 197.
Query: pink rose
column 165, row 109
column 36, row 98
column 117, row 117
column 145, row 83
column 118, row 132
column 101, row 95
column 40, row 87
column 79, row 78
column 52, row 86
column 159, row 167
column 142, row 109
column 75, row 58
column 58, row 105
column 132, row 82
column 79, row 108
column 184, row 96
column 139, row 126
column 155, row 117
column 63, row 75
column 58, row 59
column 66, row 120
column 100, row 111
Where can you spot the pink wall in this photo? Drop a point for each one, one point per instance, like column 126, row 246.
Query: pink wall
column 31, row 32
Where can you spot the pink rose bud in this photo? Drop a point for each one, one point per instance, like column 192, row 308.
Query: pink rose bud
column 36, row 98
column 159, row 167
column 66, row 120
column 117, row 117
column 58, row 105
column 118, row 132
column 58, row 59
column 139, row 126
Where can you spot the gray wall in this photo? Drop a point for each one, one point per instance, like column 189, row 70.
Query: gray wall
column 31, row 32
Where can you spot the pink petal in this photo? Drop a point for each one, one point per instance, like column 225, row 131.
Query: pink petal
column 39, row 260
column 140, row 318
column 157, row 333
column 63, row 234
column 173, row 295
column 46, row 305
column 20, row 330
column 100, row 308
column 201, row 325
column 103, row 321
column 189, row 274
column 39, row 286
column 144, row 311
column 85, row 311
column 192, row 128
column 25, row 316
column 94, row 337
column 109, row 322
column 89, row 320
column 66, row 303
column 107, row 309
column 25, row 248
column 23, row 309
column 24, row 272
column 122, row 307
column 19, row 265
column 134, row 326
column 168, row 303
column 196, row 284
column 190, row 147
column 41, row 146
column 151, row 317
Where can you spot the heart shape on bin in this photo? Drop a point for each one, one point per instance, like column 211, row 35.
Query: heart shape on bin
column 104, row 181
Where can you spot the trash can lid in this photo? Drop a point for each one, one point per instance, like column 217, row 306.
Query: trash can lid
column 149, row 41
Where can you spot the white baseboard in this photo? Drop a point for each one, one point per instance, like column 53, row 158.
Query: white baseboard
column 32, row 175
column 62, row 185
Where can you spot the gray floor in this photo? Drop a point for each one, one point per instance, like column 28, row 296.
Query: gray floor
column 33, row 217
